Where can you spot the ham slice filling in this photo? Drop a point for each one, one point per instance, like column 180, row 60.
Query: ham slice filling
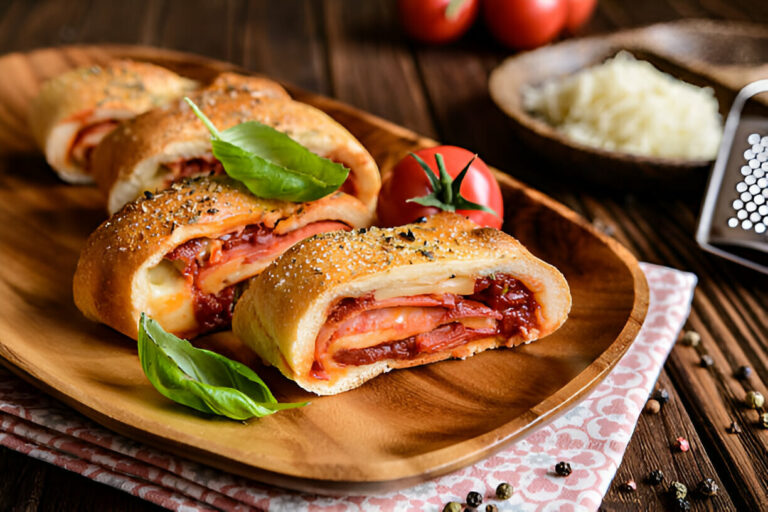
column 364, row 330
column 87, row 139
column 213, row 267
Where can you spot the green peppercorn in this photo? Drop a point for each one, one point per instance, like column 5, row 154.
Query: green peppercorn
column 474, row 499
column 491, row 508
column 764, row 420
column 754, row 400
column 691, row 338
column 682, row 504
column 504, row 491
column 678, row 490
column 563, row 468
column 707, row 487
column 656, row 477
column 452, row 506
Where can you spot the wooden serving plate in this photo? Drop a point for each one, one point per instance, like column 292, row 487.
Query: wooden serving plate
column 722, row 55
column 397, row 430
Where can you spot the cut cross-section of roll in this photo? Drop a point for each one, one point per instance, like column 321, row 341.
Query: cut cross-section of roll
column 74, row 111
column 165, row 144
column 183, row 255
column 341, row 308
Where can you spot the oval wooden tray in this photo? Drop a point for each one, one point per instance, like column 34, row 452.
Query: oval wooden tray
column 722, row 55
column 397, row 430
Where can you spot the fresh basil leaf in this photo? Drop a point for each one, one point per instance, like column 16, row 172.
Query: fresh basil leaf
column 201, row 379
column 270, row 163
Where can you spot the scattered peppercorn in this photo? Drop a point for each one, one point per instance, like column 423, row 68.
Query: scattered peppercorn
column 743, row 372
column 474, row 499
column 420, row 220
column 629, row 486
column 754, row 399
column 504, row 491
column 452, row 506
column 652, row 406
column 706, row 361
column 661, row 396
column 764, row 420
column 563, row 468
column 707, row 487
column 691, row 338
column 656, row 477
column 682, row 444
column 678, row 490
column 148, row 194
column 682, row 504
column 491, row 508
column 734, row 428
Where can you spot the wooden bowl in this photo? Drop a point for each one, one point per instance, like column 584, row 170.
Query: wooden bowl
column 723, row 56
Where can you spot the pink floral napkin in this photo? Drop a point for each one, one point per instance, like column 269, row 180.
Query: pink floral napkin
column 592, row 436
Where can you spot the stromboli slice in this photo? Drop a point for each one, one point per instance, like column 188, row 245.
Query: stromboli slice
column 158, row 147
column 341, row 308
column 180, row 255
column 74, row 111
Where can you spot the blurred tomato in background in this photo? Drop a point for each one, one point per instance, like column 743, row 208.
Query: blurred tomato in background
column 517, row 24
column 437, row 21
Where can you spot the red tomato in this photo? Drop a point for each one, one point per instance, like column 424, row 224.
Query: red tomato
column 427, row 20
column 579, row 12
column 408, row 180
column 524, row 24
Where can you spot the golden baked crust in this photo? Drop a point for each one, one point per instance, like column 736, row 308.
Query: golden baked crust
column 232, row 83
column 127, row 160
column 109, row 284
column 117, row 90
column 281, row 324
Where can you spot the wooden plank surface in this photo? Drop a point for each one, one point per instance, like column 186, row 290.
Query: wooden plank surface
column 353, row 50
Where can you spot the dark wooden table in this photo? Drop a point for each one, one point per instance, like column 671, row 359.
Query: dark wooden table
column 354, row 51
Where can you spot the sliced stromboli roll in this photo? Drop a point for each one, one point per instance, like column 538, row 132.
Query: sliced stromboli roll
column 159, row 147
column 75, row 111
column 341, row 308
column 180, row 255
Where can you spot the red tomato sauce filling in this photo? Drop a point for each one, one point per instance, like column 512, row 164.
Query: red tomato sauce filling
column 198, row 257
column 500, row 306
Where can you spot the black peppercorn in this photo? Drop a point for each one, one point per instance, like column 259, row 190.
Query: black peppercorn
column 743, row 372
column 656, row 477
column 474, row 499
column 682, row 504
column 491, row 508
column 707, row 487
column 420, row 220
column 678, row 490
column 504, row 491
column 706, row 361
column 452, row 506
column 563, row 468
column 629, row 486
column 661, row 396
column 734, row 428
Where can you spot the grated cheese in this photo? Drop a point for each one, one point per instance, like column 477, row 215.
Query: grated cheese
column 628, row 105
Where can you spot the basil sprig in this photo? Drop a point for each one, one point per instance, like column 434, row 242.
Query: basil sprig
column 271, row 164
column 201, row 379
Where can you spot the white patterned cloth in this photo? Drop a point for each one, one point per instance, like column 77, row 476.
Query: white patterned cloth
column 592, row 436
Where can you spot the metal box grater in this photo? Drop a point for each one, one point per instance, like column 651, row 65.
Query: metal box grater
column 734, row 219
